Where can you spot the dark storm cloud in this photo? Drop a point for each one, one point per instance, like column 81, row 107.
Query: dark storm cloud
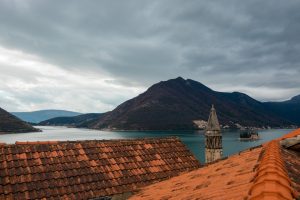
column 253, row 44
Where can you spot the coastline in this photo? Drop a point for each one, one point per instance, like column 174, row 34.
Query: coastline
column 170, row 130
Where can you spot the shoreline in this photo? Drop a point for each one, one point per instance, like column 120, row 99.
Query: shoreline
column 169, row 130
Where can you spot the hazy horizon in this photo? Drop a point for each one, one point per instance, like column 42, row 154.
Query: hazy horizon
column 120, row 103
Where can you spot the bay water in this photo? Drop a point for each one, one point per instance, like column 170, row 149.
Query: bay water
column 194, row 140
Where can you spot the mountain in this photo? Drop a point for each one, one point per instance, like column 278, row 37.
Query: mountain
column 289, row 110
column 11, row 124
column 42, row 115
column 78, row 121
column 176, row 103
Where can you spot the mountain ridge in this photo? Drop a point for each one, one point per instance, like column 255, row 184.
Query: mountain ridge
column 42, row 115
column 289, row 109
column 179, row 104
column 79, row 120
column 174, row 105
column 11, row 124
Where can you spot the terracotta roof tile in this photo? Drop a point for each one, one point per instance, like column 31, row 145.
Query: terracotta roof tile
column 227, row 176
column 264, row 172
column 292, row 162
column 88, row 169
column 271, row 179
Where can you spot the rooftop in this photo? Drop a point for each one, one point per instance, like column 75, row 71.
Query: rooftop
column 88, row 169
column 269, row 171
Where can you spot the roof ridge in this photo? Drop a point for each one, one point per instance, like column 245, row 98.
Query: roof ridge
column 35, row 142
column 103, row 140
column 235, row 154
column 271, row 179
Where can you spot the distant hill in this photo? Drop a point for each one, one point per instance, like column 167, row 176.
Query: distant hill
column 11, row 124
column 176, row 103
column 289, row 110
column 42, row 115
column 78, row 121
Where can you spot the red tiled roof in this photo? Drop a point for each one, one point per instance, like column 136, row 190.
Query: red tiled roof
column 271, row 180
column 88, row 169
column 259, row 173
column 291, row 158
column 230, row 177
column 292, row 163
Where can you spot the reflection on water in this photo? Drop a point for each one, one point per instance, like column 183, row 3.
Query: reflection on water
column 193, row 139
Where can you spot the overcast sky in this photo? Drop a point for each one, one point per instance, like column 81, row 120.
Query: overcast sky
column 90, row 56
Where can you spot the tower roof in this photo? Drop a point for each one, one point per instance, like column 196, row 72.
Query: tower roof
column 213, row 123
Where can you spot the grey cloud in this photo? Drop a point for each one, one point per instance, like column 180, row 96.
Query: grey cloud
column 220, row 43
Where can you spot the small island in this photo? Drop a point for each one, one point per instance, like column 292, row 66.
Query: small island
column 250, row 134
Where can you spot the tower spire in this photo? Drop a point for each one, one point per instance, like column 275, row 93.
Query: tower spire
column 213, row 122
column 213, row 137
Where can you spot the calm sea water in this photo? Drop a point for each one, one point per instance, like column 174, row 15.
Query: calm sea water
column 194, row 140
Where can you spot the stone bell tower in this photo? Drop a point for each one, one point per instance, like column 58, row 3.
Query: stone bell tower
column 213, row 138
